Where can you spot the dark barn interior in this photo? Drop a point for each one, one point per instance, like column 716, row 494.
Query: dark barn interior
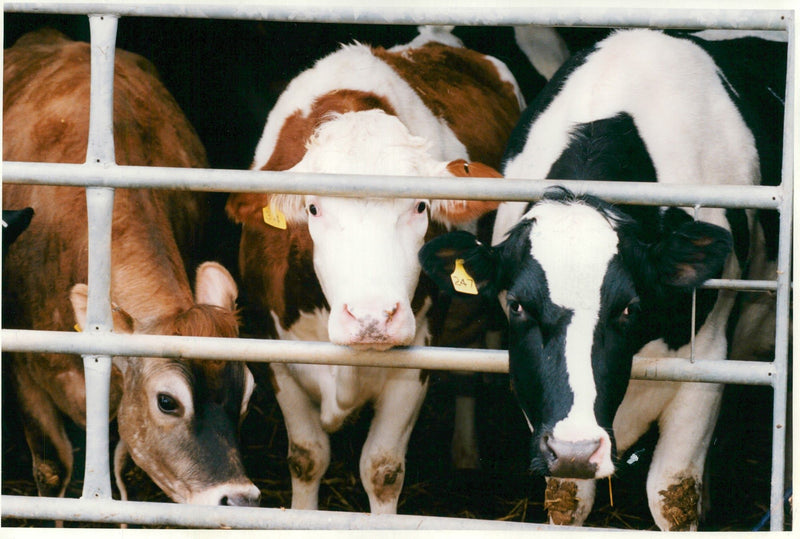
column 226, row 75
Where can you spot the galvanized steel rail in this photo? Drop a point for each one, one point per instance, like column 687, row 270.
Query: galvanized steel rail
column 101, row 175
column 110, row 175
column 501, row 12
column 262, row 518
column 320, row 353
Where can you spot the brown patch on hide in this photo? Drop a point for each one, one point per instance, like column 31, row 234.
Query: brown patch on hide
column 297, row 129
column 278, row 270
column 561, row 501
column 301, row 465
column 387, row 478
column 454, row 82
column 680, row 503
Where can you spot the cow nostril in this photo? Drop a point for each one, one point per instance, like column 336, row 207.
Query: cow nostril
column 569, row 459
column 391, row 312
column 241, row 500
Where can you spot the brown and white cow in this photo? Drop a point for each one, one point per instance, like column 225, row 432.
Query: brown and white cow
column 345, row 270
column 178, row 419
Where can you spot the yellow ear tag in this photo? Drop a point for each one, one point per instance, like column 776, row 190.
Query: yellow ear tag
column 77, row 328
column 462, row 281
column 274, row 218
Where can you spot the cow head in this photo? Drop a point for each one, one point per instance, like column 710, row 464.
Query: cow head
column 178, row 419
column 580, row 290
column 365, row 249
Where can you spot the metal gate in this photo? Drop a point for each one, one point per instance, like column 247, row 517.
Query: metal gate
column 101, row 175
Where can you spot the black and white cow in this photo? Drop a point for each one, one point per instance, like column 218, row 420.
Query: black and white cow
column 587, row 285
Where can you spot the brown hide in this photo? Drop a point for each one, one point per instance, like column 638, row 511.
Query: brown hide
column 291, row 146
column 46, row 117
column 464, row 88
column 46, row 114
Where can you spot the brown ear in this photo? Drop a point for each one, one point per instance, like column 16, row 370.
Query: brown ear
column 214, row 285
column 462, row 169
column 453, row 212
column 246, row 207
column 79, row 297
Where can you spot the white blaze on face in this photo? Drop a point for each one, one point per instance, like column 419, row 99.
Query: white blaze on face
column 574, row 243
column 365, row 249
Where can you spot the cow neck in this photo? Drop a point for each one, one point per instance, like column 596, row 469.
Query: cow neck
column 148, row 278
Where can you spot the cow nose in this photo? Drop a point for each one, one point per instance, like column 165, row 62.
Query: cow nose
column 248, row 498
column 372, row 324
column 569, row 459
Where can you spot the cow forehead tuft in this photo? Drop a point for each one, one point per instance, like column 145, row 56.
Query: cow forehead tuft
column 572, row 225
column 366, row 142
column 573, row 243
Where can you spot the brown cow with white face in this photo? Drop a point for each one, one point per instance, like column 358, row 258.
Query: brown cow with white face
column 345, row 270
column 178, row 419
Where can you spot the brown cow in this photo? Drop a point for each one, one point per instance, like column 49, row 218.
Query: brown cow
column 346, row 270
column 178, row 419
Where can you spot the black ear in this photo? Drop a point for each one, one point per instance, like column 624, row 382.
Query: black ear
column 695, row 252
column 438, row 258
column 685, row 257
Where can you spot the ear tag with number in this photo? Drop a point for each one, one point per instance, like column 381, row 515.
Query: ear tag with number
column 274, row 218
column 462, row 281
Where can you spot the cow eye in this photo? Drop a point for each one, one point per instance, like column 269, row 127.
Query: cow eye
column 422, row 206
column 168, row 404
column 630, row 310
column 312, row 209
column 515, row 307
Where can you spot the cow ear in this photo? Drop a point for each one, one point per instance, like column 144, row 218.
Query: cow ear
column 461, row 169
column 79, row 297
column 686, row 256
column 693, row 253
column 214, row 285
column 477, row 264
column 247, row 208
column 453, row 212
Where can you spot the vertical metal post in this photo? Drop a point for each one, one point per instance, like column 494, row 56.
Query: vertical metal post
column 100, row 204
column 782, row 300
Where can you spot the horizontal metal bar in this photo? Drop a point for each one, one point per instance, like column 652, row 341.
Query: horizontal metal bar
column 712, row 371
column 728, row 196
column 259, row 350
column 502, row 12
column 740, row 284
column 262, row 518
column 321, row 353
